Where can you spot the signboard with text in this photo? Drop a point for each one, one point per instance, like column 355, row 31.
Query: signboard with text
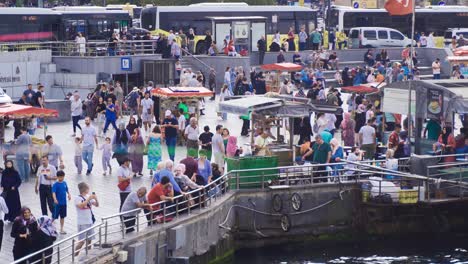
column 435, row 104
column 19, row 73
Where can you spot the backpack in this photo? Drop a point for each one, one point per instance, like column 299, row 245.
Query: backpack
column 131, row 99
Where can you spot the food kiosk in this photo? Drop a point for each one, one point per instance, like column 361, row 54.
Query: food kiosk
column 278, row 110
column 276, row 73
column 170, row 97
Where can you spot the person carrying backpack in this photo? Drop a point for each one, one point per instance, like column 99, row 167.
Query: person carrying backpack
column 133, row 102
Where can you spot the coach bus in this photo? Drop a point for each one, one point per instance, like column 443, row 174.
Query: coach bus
column 196, row 16
column 435, row 19
column 40, row 24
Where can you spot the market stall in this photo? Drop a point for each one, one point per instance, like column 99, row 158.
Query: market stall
column 276, row 73
column 439, row 100
column 23, row 112
column 170, row 98
column 273, row 113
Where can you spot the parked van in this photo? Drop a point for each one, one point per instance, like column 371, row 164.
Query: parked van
column 452, row 32
column 376, row 37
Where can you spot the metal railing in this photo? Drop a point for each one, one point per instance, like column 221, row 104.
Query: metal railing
column 88, row 49
column 185, row 51
column 116, row 227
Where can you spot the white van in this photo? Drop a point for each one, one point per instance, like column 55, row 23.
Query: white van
column 376, row 37
column 452, row 32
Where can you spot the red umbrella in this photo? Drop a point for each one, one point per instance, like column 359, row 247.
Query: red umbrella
column 359, row 89
column 285, row 66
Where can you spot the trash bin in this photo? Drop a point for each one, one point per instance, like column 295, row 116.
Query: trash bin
column 252, row 179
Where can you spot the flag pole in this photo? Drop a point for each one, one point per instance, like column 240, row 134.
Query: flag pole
column 411, row 68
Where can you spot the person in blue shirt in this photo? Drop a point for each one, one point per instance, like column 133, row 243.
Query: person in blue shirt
column 60, row 194
column 204, row 170
column 111, row 115
column 167, row 172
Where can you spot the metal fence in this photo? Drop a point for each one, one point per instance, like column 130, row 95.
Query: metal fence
column 116, row 227
column 88, row 49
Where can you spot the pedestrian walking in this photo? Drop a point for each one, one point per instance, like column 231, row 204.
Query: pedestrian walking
column 147, row 111
column 154, row 149
column 76, row 111
column 120, row 143
column 212, row 83
column 53, row 153
column 347, row 127
column 106, row 156
column 22, row 156
column 46, row 177
column 125, row 184
column 191, row 134
column 136, row 148
column 100, row 115
column 60, row 194
column 111, row 115
column 78, row 158
column 23, row 227
column 84, row 215
column 225, row 92
column 89, row 139
column 261, row 45
column 205, row 139
column 218, row 147
column 43, row 238
column 3, row 211
column 10, row 183
column 132, row 125
column 170, row 125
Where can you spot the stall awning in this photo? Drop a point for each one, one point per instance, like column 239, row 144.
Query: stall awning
column 244, row 105
column 182, row 92
column 15, row 111
column 285, row 66
column 364, row 88
column 457, row 58
column 284, row 106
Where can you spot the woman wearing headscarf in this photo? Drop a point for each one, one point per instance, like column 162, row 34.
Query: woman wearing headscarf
column 337, row 155
column 447, row 143
column 43, row 238
column 120, row 143
column 347, row 81
column 10, row 183
column 231, row 147
column 23, row 227
column 347, row 126
column 136, row 148
column 132, row 125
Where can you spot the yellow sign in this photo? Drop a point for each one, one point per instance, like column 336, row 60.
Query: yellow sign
column 365, row 3
column 301, row 2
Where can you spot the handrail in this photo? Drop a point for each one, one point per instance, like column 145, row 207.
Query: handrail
column 197, row 59
column 202, row 195
column 57, row 244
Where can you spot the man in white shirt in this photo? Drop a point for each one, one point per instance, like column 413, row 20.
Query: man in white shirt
column 147, row 111
column 134, row 200
column 367, row 139
column 84, row 215
column 89, row 138
column 218, row 147
column 261, row 144
column 46, row 177
column 170, row 38
column 123, row 174
column 191, row 134
column 76, row 111
column 436, row 69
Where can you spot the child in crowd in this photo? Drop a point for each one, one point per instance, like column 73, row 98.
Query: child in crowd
column 338, row 77
column 60, row 194
column 106, row 156
column 78, row 155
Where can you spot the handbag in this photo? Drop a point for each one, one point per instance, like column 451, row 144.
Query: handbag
column 123, row 185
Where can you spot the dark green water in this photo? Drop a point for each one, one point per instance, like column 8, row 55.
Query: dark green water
column 377, row 252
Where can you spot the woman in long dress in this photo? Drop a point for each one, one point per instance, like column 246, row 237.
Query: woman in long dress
column 154, row 149
column 136, row 147
column 10, row 183
column 23, row 227
column 43, row 238
column 347, row 126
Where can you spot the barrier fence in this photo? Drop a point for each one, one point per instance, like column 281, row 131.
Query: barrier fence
column 114, row 228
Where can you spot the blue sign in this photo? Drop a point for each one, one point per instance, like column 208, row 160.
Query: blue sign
column 356, row 5
column 441, row 3
column 126, row 64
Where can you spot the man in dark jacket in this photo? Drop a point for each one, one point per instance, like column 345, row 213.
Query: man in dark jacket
column 261, row 45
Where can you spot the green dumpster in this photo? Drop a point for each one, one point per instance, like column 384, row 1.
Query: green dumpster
column 252, row 179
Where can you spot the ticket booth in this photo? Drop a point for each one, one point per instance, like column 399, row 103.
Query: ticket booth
column 245, row 31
